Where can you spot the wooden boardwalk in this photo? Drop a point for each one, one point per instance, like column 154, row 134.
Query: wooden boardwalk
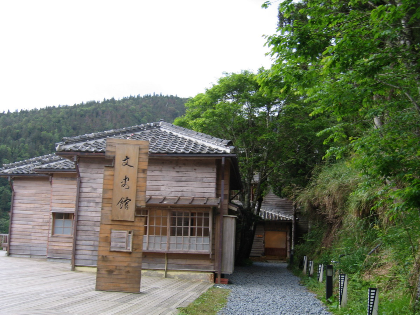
column 34, row 286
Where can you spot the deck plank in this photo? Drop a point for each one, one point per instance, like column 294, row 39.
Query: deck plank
column 38, row 286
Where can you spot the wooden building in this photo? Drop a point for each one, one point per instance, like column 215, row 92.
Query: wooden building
column 57, row 200
column 282, row 226
column 273, row 236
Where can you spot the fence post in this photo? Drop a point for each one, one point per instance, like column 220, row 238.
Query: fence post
column 311, row 268
column 320, row 272
column 373, row 297
column 305, row 263
column 342, row 280
column 329, row 281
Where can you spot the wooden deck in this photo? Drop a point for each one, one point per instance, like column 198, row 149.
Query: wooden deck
column 36, row 286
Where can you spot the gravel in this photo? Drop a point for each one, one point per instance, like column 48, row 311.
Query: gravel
column 269, row 288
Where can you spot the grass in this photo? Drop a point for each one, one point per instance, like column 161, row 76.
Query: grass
column 210, row 302
column 390, row 303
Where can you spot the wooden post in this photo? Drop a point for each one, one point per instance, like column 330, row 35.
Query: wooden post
column 120, row 247
column 342, row 280
column 305, row 263
column 320, row 272
column 292, row 251
column 76, row 215
column 10, row 215
column 219, row 272
column 373, row 297
column 311, row 268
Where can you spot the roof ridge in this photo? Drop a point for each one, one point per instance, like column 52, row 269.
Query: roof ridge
column 107, row 133
column 43, row 159
column 163, row 137
column 191, row 134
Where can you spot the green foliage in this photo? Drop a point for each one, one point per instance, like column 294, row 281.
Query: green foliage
column 358, row 62
column 329, row 191
column 375, row 246
column 275, row 138
column 237, row 109
column 4, row 223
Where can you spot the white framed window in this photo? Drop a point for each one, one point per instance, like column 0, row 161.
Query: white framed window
column 62, row 223
column 187, row 231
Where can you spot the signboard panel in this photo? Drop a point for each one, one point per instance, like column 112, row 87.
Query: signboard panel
column 120, row 247
column 125, row 182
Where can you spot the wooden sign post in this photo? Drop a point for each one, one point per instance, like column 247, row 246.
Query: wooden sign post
column 342, row 281
column 320, row 272
column 120, row 248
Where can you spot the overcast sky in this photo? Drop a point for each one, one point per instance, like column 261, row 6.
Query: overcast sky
column 66, row 52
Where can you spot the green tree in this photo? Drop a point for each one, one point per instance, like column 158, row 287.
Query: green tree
column 358, row 61
column 263, row 128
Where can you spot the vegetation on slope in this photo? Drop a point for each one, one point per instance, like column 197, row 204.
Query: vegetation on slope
column 358, row 62
column 353, row 229
column 30, row 133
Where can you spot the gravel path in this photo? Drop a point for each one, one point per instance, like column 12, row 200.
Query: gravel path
column 269, row 288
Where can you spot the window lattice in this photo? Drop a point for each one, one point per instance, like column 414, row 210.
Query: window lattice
column 177, row 230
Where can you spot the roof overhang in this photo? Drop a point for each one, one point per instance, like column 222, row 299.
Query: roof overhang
column 159, row 201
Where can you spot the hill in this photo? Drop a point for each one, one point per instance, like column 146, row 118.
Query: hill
column 30, row 133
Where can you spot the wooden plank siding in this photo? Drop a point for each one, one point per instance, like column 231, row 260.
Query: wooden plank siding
column 177, row 261
column 31, row 217
column 89, row 214
column 181, row 178
column 63, row 200
column 165, row 177
column 63, row 193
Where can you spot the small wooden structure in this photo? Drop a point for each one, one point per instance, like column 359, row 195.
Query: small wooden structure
column 273, row 235
column 58, row 200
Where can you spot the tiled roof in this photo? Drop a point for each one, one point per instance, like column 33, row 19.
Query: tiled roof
column 30, row 166
column 164, row 138
column 274, row 208
column 273, row 213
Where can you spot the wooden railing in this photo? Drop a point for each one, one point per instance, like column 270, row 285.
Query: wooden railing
column 4, row 240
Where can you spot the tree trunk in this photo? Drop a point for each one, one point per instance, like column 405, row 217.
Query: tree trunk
column 247, row 227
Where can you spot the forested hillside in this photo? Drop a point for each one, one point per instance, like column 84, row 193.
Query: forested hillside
column 30, row 133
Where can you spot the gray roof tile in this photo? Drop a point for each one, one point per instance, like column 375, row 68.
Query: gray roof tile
column 37, row 165
column 164, row 138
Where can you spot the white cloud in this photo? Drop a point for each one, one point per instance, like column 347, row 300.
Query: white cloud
column 67, row 52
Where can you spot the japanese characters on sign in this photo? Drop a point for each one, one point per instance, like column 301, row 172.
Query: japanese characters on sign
column 125, row 180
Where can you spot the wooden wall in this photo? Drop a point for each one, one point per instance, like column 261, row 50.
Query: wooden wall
column 89, row 214
column 258, row 246
column 181, row 177
column 63, row 199
column 175, row 261
column 165, row 177
column 31, row 217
